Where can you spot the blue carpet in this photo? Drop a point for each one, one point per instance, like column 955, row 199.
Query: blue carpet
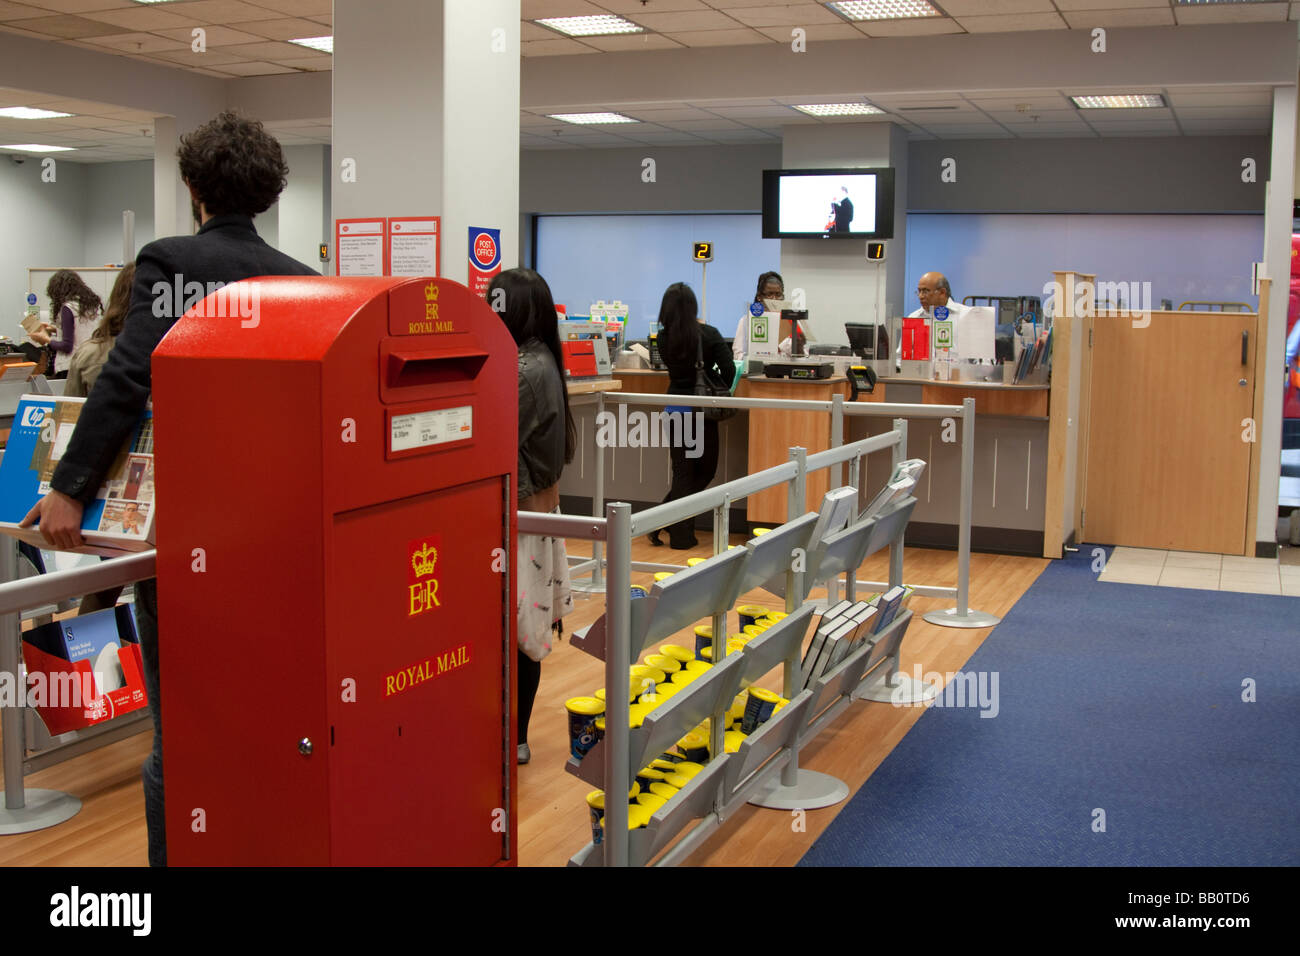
column 1113, row 697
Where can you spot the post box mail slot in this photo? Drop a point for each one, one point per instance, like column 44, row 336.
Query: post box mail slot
column 334, row 576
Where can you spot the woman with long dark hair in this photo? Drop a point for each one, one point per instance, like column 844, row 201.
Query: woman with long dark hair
column 547, row 441
column 683, row 342
column 89, row 356
column 72, row 325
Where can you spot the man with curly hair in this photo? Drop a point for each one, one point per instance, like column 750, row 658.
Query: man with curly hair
column 234, row 170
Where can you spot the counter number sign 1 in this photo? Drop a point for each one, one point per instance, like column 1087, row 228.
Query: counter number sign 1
column 484, row 257
column 702, row 251
column 941, row 313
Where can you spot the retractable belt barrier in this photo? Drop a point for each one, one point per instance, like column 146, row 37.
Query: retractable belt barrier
column 960, row 616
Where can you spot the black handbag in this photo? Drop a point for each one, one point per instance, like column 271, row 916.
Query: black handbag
column 711, row 386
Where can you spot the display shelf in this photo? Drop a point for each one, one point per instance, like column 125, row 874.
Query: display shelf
column 780, row 732
column 780, row 643
column 668, row 723
column 830, row 694
column 770, row 554
column 674, row 603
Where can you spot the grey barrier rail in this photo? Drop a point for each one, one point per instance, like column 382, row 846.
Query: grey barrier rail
column 28, row 809
column 628, row 621
column 960, row 615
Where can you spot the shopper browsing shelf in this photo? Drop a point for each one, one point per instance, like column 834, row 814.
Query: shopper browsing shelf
column 683, row 342
column 234, row 170
column 547, row 441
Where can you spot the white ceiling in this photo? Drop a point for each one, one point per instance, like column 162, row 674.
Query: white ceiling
column 247, row 38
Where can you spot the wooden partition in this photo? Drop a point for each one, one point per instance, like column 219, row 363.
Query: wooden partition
column 1074, row 300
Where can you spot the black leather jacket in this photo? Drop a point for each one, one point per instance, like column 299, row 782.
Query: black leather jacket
column 541, row 419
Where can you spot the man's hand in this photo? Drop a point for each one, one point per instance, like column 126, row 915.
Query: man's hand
column 59, row 518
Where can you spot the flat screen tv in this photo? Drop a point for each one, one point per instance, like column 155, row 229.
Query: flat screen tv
column 828, row 203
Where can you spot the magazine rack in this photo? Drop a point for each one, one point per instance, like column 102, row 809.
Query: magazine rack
column 729, row 780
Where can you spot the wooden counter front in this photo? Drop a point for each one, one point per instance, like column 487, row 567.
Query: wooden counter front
column 773, row 432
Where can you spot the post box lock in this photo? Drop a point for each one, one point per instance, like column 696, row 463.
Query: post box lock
column 304, row 746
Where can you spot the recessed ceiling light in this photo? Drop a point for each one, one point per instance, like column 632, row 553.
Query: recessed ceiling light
column 603, row 25
column 1123, row 101
column 839, row 109
column 38, row 148
column 28, row 112
column 587, row 119
column 884, row 9
column 324, row 44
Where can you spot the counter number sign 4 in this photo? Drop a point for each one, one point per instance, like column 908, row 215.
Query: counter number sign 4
column 702, row 251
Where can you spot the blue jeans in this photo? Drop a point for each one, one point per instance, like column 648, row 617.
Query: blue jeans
column 146, row 622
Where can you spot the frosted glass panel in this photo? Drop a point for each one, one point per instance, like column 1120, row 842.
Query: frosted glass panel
column 635, row 258
column 1183, row 257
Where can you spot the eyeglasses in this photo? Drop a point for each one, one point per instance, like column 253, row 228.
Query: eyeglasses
column 921, row 292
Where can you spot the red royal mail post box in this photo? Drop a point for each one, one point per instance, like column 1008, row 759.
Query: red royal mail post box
column 335, row 575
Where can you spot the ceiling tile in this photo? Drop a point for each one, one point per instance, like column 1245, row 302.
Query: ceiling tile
column 204, row 61
column 215, row 35
column 69, row 27
column 137, row 43
column 300, row 8
column 82, row 6
column 1013, row 22
column 706, row 38
column 632, row 44
column 143, row 18
column 1232, row 13
column 556, row 47
column 794, row 15
column 293, row 28
column 1183, row 98
column 964, row 8
column 251, row 69
column 266, row 51
column 227, row 11
column 537, row 9
column 626, row 8
column 824, row 31
column 1065, row 5
column 310, row 64
column 932, row 26
column 687, row 20
column 1143, row 17
column 1225, row 112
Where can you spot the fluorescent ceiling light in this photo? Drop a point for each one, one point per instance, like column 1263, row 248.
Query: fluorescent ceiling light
column 28, row 112
column 38, row 148
column 603, row 25
column 1123, row 101
column 884, row 9
column 586, row 119
column 324, row 44
column 839, row 109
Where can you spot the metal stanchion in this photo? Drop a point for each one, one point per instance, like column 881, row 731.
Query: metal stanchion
column 961, row 615
column 618, row 646
column 796, row 788
column 596, row 583
column 24, row 810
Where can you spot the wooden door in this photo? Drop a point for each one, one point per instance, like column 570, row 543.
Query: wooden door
column 1168, row 445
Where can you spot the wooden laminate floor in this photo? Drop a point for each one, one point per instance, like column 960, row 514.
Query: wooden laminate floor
column 110, row 830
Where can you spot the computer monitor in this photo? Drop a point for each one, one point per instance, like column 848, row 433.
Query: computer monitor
column 868, row 340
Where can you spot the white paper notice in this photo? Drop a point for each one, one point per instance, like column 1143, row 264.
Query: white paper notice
column 414, row 255
column 432, row 428
column 361, row 255
column 975, row 335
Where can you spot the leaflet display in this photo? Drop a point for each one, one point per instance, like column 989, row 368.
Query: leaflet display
column 121, row 515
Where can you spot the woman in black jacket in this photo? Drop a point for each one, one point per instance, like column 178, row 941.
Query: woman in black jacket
column 547, row 440
column 683, row 341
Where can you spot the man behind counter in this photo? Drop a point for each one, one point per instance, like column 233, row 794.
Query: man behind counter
column 933, row 290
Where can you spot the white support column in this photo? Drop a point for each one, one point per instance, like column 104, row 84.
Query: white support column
column 1277, row 265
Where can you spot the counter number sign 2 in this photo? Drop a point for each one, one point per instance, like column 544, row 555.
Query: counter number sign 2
column 702, row 251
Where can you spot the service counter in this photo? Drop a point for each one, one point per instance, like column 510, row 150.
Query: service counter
column 1010, row 475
